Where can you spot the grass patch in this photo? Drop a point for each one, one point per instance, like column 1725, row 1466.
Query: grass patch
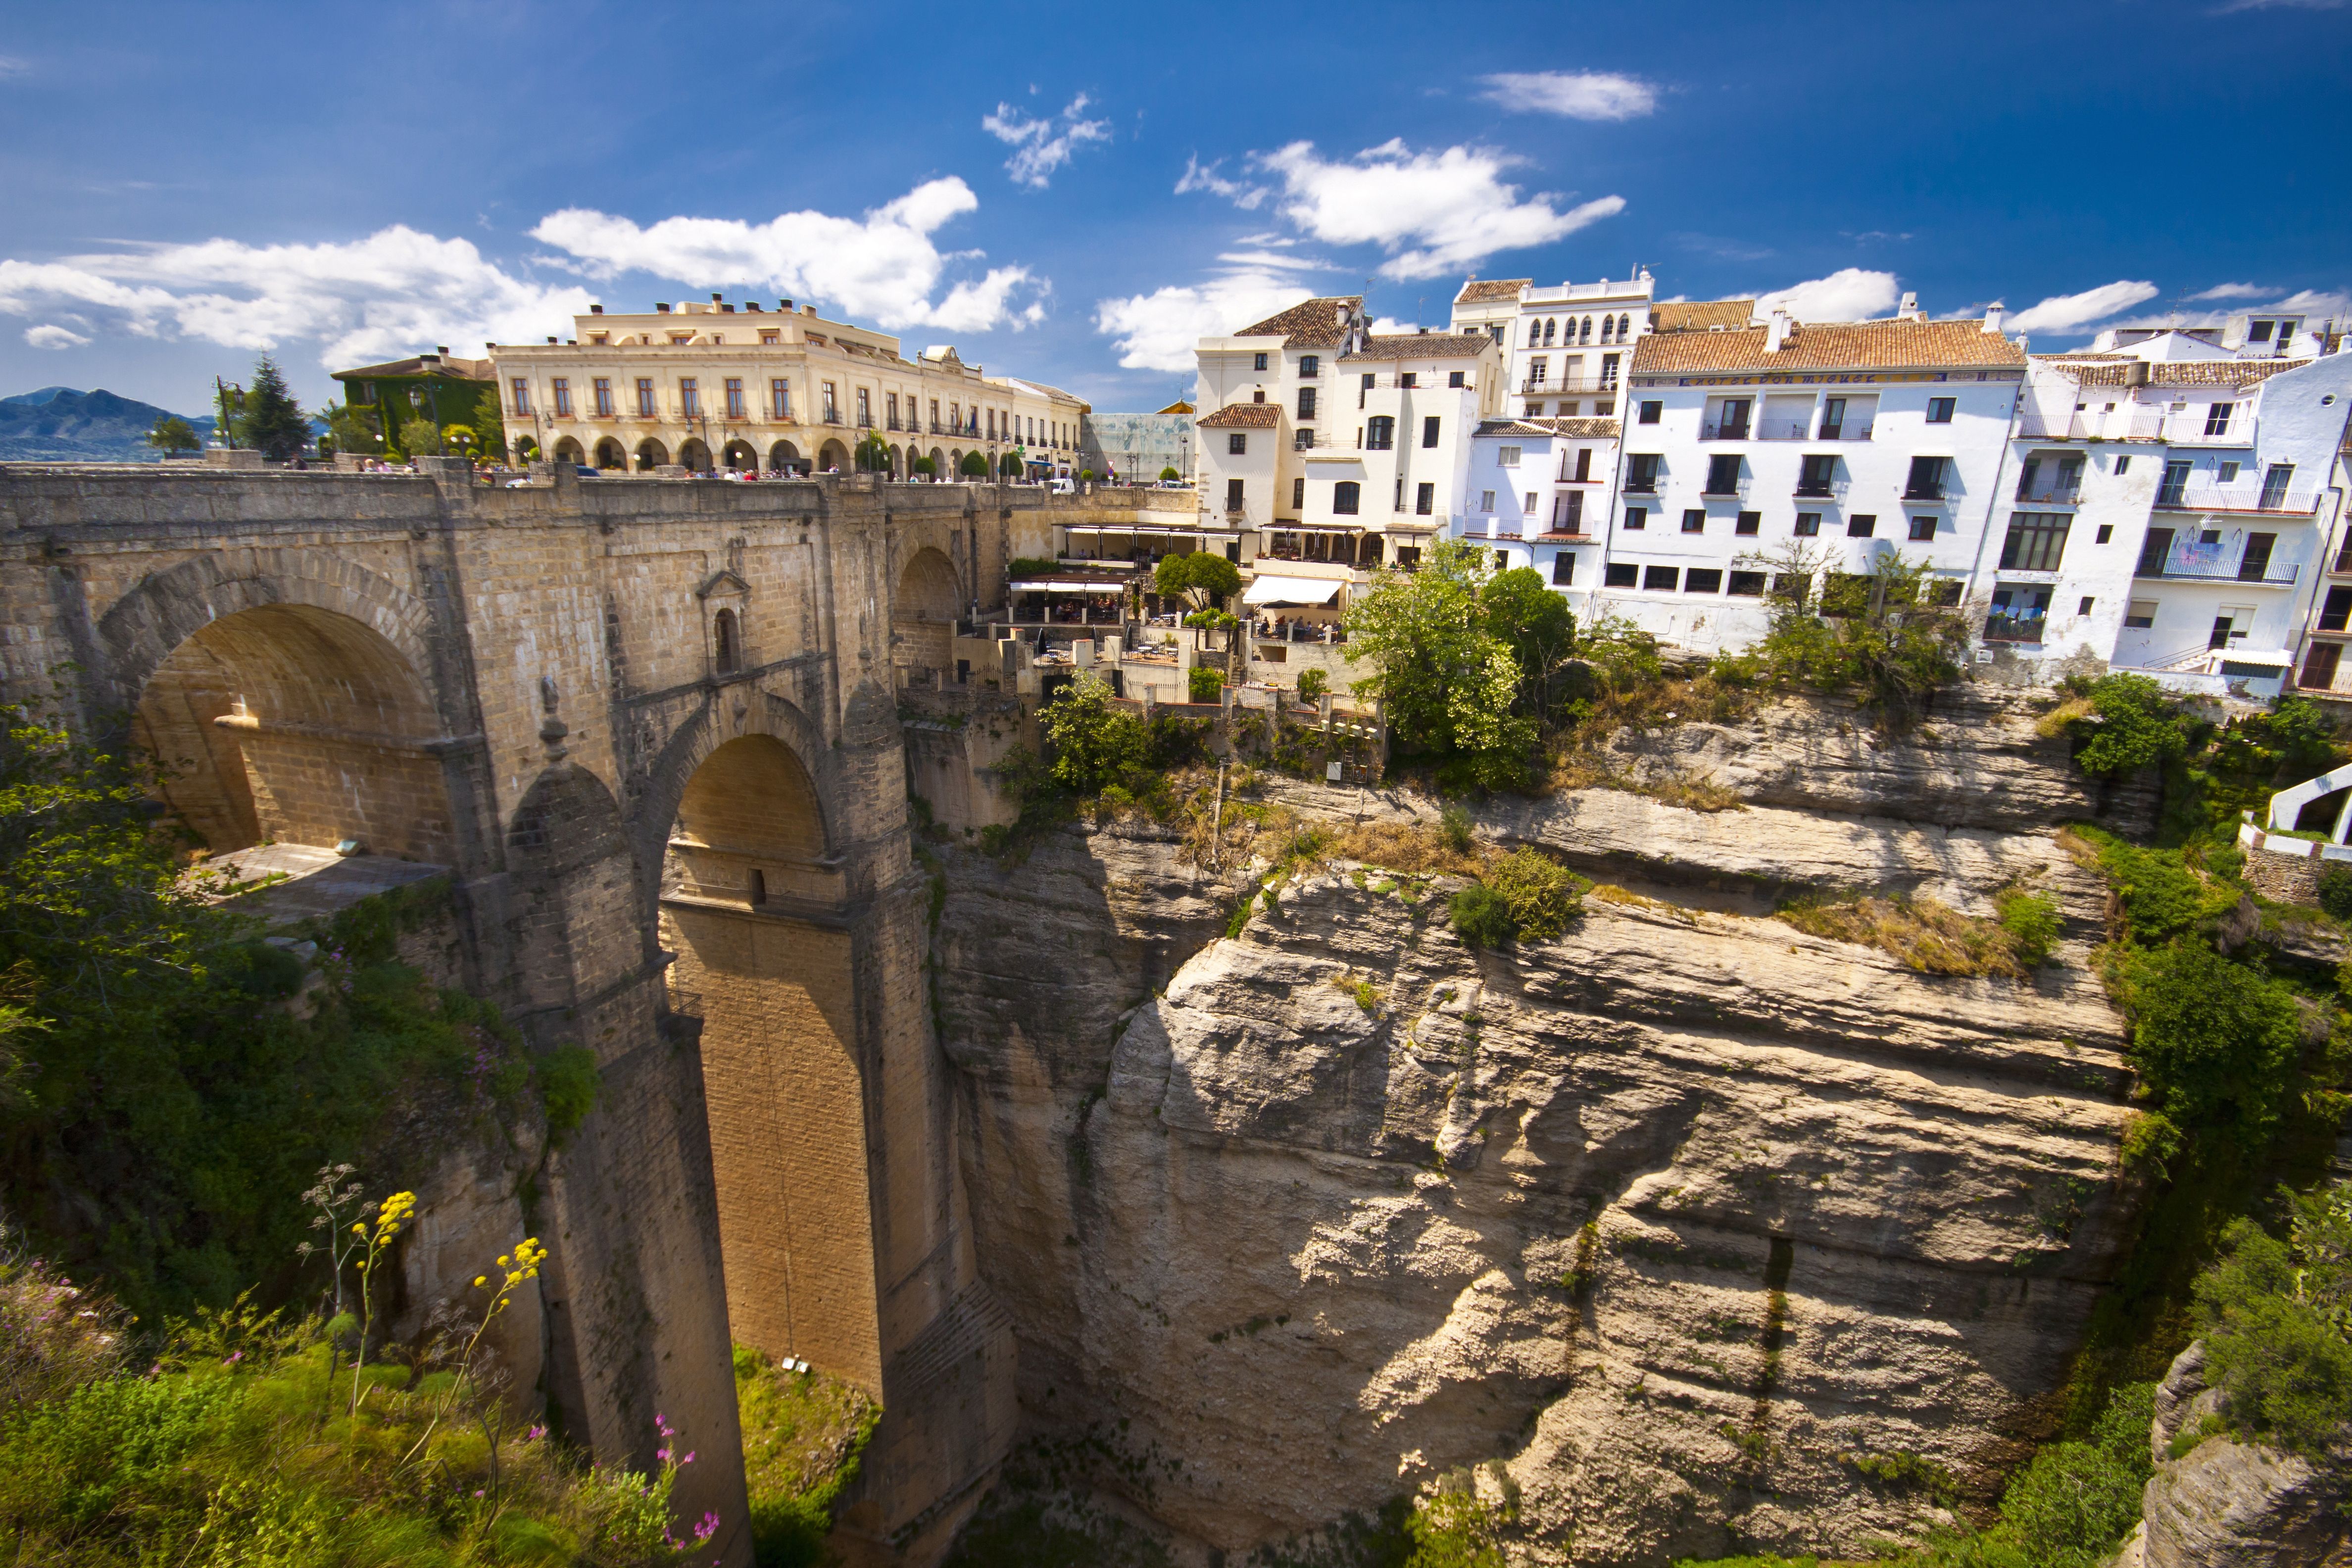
column 1924, row 934
column 803, row 1435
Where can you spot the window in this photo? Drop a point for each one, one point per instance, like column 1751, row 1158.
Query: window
column 1456, row 378
column 2260, row 332
column 602, row 388
column 1424, row 500
column 1703, row 580
column 1746, row 585
column 1722, row 474
column 1310, row 366
column 1642, row 473
column 1563, row 569
column 2174, row 484
column 1409, row 378
column 563, row 390
column 2217, row 418
column 2254, row 566
column 722, row 636
column 1568, row 512
column 1728, row 420
column 770, row 337
column 1238, row 443
column 1651, row 411
column 645, row 397
column 2123, row 467
column 1257, row 362
column 1371, row 381
column 1637, row 518
column 1815, row 473
column 832, row 402
column 1528, row 508
column 1302, row 438
column 1429, row 432
column 1832, row 418
column 1662, row 579
column 2018, row 614
column 1694, row 521
column 890, row 409
column 1583, row 465
column 1808, row 523
column 1380, row 433
column 2155, row 551
column 2227, row 474
column 689, row 397
column 1939, row 410
column 780, row 398
column 735, row 397
column 2140, row 614
column 1298, row 495
column 2107, row 532
column 1306, row 403
column 1506, row 457
column 1927, row 479
column 522, row 394
column 1861, row 527
column 1345, row 495
column 2336, row 612
column 1538, row 372
column 1923, row 530
column 2085, row 607
column 2036, row 543
column 1750, row 523
column 1620, row 574
column 2275, row 479
column 1485, row 500
column 2319, row 665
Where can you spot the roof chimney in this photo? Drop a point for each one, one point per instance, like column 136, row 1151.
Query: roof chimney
column 596, row 310
column 1340, row 316
column 443, row 350
column 551, row 340
column 716, row 297
column 1909, row 310
column 1776, row 332
column 662, row 306
column 786, row 307
column 1992, row 318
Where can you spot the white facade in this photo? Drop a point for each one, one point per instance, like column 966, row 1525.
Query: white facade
column 1570, row 344
column 1538, row 496
column 2169, row 514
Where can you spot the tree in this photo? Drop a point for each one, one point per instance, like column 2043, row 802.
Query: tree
column 173, row 434
column 1203, row 579
column 420, row 438
column 1010, row 465
column 872, row 456
column 924, row 467
column 352, row 429
column 1892, row 634
column 489, row 425
column 1449, row 681
column 974, row 466
column 460, row 439
column 1170, row 474
column 1094, row 744
column 2133, row 723
column 271, row 420
column 1521, row 609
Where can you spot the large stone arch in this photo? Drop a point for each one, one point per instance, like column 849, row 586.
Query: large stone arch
column 575, row 873
column 833, row 455
column 926, row 598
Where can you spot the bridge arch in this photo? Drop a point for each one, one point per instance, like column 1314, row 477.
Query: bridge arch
column 923, row 609
column 752, row 905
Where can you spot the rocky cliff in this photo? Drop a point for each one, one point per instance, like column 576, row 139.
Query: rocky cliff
column 1712, row 1232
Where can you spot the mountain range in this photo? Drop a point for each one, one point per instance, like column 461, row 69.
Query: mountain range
column 59, row 423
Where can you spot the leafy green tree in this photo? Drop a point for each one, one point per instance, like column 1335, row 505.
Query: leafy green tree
column 489, row 425
column 2277, row 1320
column 1203, row 579
column 352, row 429
column 271, row 421
column 2134, row 723
column 173, row 434
column 420, row 438
column 1093, row 745
column 1312, row 684
column 2211, row 1038
column 974, row 466
column 1894, row 636
column 923, row 466
column 1204, row 683
column 1009, row 465
column 1521, row 609
column 1170, row 474
column 1450, row 682
column 872, row 456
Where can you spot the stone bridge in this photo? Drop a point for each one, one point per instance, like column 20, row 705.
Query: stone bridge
column 649, row 728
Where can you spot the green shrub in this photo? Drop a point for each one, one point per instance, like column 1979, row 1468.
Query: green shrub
column 1482, row 918
column 1029, row 565
column 1170, row 474
column 2212, row 1039
column 569, row 1085
column 1454, row 825
column 2336, row 889
column 2076, row 1500
column 804, row 1433
column 2133, row 723
column 2275, row 1315
column 1205, row 684
column 1541, row 896
column 2032, row 920
column 1094, row 744
column 1312, row 684
column 2161, row 897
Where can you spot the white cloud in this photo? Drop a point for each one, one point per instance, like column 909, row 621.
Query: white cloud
column 2064, row 313
column 1037, row 149
column 1579, row 95
column 13, row 65
column 1849, row 294
column 2234, row 291
column 54, row 337
column 1390, row 327
column 1204, row 177
column 1434, row 212
column 363, row 299
column 882, row 268
column 2335, row 304
column 1161, row 330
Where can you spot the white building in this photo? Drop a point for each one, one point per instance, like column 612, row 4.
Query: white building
column 1538, row 496
column 2170, row 511
column 705, row 387
column 1751, row 451
column 1569, row 344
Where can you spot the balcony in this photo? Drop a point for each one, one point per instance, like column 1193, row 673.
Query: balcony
column 2056, row 493
column 2265, row 574
column 1821, row 489
column 2123, row 425
column 832, row 415
column 1783, row 431
column 1637, row 485
column 1939, row 491
column 1731, row 430
column 1539, row 387
column 1739, row 490
column 2015, row 629
column 1842, row 432
column 2189, row 429
column 2251, row 499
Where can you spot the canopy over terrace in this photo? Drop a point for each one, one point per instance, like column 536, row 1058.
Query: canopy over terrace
column 1138, row 542
column 1080, row 597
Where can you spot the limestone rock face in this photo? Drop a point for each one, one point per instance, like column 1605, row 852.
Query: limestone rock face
column 2229, row 1503
column 1713, row 1232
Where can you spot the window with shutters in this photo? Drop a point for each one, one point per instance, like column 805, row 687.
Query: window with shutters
column 1429, row 432
column 522, row 394
column 1380, row 433
column 645, row 397
column 734, row 397
column 1563, row 569
column 562, row 390
column 689, row 397
column 603, row 389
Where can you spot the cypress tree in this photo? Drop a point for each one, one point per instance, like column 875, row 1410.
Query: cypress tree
column 272, row 421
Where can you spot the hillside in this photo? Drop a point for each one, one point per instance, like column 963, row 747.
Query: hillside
column 58, row 424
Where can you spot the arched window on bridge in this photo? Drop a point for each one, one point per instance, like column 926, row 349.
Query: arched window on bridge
column 726, row 643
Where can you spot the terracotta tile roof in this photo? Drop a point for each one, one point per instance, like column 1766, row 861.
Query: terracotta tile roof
column 1698, row 315
column 1424, row 345
column 450, row 365
column 1309, row 324
column 1585, row 429
column 1486, row 290
column 1843, row 345
column 1245, row 417
column 1514, row 427
column 2179, row 373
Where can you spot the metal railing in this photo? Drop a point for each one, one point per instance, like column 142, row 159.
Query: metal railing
column 2056, row 493
column 2091, row 424
column 2015, row 629
column 1713, row 430
column 2265, row 575
column 2187, row 429
column 1738, row 488
column 1784, row 430
column 1841, row 432
column 1821, row 489
column 2237, row 498
column 1547, row 387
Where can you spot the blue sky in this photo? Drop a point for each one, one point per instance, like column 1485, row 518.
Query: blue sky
column 1074, row 192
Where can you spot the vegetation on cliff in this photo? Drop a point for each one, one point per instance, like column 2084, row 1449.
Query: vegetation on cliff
column 804, row 1433
column 2276, row 1316
column 169, row 1078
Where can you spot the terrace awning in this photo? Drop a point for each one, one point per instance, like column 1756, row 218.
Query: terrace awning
column 1056, row 586
column 1270, row 590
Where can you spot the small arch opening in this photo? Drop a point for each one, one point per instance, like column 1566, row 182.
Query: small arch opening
column 726, row 642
